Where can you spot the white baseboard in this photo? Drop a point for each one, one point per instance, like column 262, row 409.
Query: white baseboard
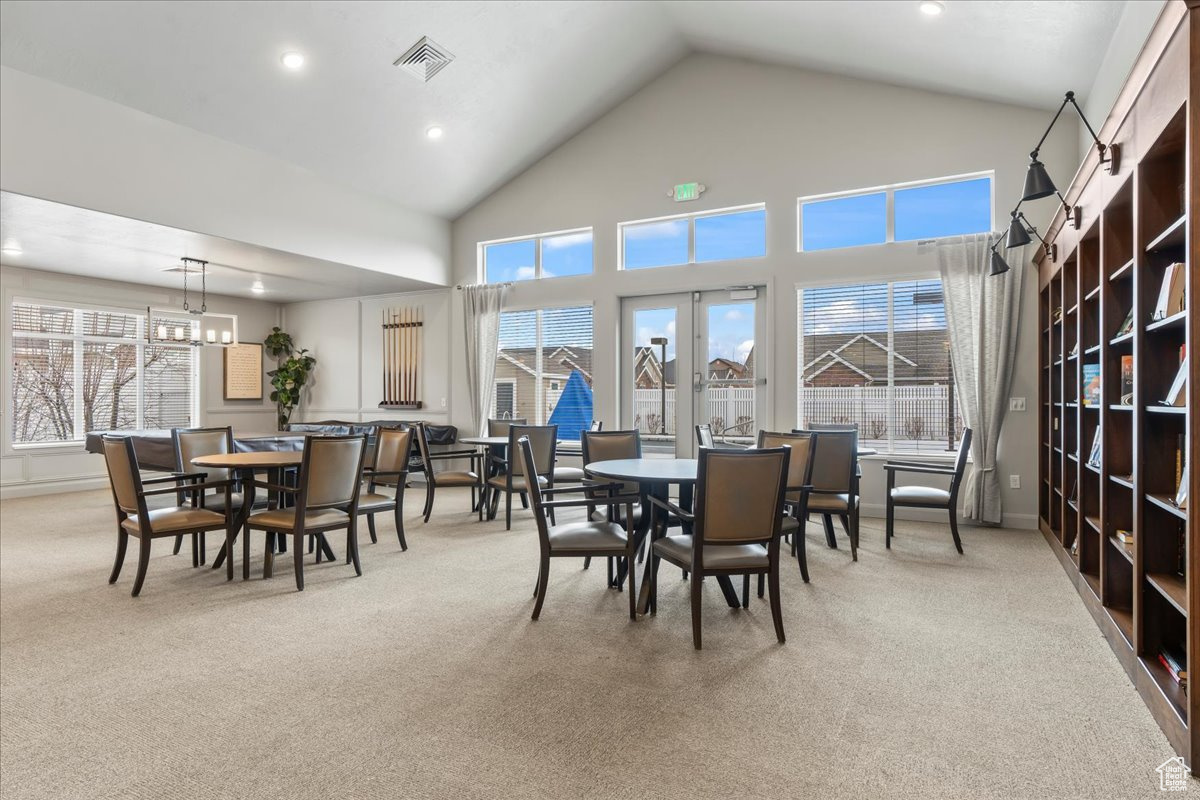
column 59, row 486
column 879, row 511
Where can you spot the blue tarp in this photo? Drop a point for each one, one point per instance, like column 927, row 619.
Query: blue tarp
column 573, row 413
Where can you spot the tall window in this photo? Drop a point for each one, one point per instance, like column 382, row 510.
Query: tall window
column 76, row 370
column 877, row 356
column 900, row 213
column 544, row 368
column 554, row 255
column 695, row 238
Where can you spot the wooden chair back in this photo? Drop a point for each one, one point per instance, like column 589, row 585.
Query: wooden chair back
column 193, row 442
column 330, row 471
column 960, row 462
column 526, row 458
column 611, row 446
column 800, row 456
column 739, row 496
column 543, row 440
column 124, row 476
column 835, row 457
column 499, row 427
column 392, row 449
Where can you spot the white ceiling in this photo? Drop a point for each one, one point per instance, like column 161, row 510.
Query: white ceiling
column 528, row 75
column 61, row 238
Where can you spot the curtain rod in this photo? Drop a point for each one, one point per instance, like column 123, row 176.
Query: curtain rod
column 505, row 283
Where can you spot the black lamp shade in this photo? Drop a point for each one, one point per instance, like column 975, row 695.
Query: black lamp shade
column 999, row 266
column 1037, row 181
column 1017, row 235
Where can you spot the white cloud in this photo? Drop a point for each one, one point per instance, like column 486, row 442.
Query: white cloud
column 566, row 240
column 743, row 350
column 733, row 315
column 668, row 229
column 525, row 273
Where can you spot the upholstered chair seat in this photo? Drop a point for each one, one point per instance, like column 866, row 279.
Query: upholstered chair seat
column 178, row 518
column 823, row 502
column 568, row 475
column 920, row 496
column 500, row 482
column 284, row 519
column 587, row 536
column 745, row 556
column 373, row 502
column 513, row 480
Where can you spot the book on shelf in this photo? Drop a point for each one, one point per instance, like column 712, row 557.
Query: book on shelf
column 1094, row 455
column 1176, row 395
column 1171, row 296
column 1126, row 326
column 1181, row 491
column 1124, row 536
column 1057, row 314
column 1174, row 663
column 1074, row 350
column 1091, row 384
column 1126, row 380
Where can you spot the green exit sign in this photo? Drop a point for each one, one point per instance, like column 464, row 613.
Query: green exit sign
column 686, row 191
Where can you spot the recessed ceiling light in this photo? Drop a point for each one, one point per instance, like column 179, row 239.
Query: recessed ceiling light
column 435, row 132
column 292, row 60
column 257, row 287
column 11, row 248
column 932, row 7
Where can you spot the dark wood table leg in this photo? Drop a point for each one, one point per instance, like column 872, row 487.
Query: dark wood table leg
column 247, row 477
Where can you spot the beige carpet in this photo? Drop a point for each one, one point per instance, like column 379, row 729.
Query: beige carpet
column 914, row 673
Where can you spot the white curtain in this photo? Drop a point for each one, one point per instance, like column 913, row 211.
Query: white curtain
column 481, row 317
column 982, row 313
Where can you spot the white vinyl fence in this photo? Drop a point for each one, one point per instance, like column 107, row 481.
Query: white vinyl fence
column 918, row 416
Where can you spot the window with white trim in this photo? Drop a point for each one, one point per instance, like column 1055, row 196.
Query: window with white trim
column 548, row 255
column 899, row 213
column 721, row 235
column 877, row 356
column 544, row 368
column 78, row 369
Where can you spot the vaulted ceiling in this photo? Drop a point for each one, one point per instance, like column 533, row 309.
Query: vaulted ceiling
column 526, row 75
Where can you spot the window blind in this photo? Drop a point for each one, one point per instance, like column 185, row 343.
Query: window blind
column 876, row 356
column 544, row 368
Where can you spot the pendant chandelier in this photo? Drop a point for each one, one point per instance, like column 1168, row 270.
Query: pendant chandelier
column 199, row 327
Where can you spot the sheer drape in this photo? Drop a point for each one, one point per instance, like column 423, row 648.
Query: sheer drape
column 982, row 314
column 481, row 318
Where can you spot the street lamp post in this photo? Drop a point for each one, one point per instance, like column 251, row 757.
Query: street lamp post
column 661, row 341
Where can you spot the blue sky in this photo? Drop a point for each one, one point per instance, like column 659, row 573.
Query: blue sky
column 730, row 329
column 863, row 308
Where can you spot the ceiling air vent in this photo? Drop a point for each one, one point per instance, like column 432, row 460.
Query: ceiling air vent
column 424, row 59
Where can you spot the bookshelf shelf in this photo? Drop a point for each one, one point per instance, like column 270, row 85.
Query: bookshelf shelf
column 1172, row 236
column 1122, row 548
column 1171, row 587
column 1123, row 272
column 1164, row 502
column 1118, row 270
column 1174, row 321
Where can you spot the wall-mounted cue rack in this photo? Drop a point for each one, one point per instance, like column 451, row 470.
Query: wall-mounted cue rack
column 402, row 329
column 1118, row 332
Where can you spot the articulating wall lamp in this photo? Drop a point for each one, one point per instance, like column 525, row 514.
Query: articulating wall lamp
column 1038, row 184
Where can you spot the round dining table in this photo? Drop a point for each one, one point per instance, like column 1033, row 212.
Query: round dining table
column 244, row 465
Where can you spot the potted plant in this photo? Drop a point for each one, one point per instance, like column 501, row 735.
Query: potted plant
column 289, row 377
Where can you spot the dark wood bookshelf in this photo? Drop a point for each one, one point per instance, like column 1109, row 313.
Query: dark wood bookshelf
column 1108, row 264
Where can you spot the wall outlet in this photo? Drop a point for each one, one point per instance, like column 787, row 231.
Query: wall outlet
column 1014, row 481
column 443, row 402
column 1016, row 404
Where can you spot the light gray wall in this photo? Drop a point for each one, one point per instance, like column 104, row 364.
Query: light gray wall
column 42, row 468
column 758, row 133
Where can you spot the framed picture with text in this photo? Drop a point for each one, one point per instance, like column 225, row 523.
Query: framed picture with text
column 243, row 372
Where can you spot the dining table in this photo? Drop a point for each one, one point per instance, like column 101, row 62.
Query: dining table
column 244, row 465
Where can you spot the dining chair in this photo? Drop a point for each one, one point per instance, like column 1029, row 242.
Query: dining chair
column 564, row 475
column 544, row 440
column 389, row 468
column 928, row 496
column 799, row 486
column 835, row 482
column 189, row 443
column 135, row 519
column 599, row 445
column 435, row 480
column 735, row 526
column 586, row 538
column 326, row 495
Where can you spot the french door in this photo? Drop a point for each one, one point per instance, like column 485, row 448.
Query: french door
column 692, row 358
